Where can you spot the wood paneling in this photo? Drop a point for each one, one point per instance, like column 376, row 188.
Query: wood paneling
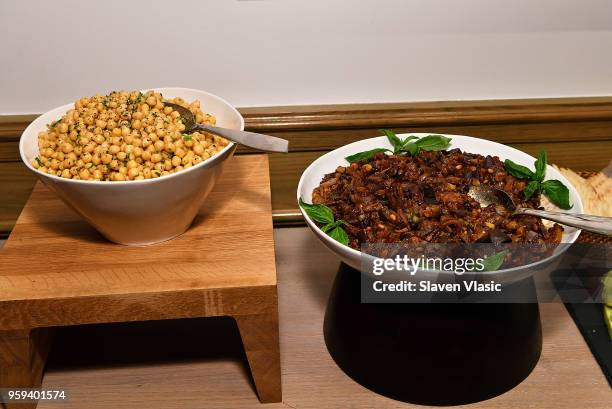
column 576, row 132
column 428, row 113
column 16, row 183
column 592, row 131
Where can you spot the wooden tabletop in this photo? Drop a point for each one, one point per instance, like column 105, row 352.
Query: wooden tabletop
column 205, row 368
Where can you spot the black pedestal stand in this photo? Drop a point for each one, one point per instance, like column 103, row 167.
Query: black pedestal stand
column 433, row 354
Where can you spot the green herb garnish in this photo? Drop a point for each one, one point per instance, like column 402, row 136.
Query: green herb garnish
column 39, row 161
column 410, row 145
column 139, row 97
column 324, row 215
column 394, row 140
column 495, row 261
column 187, row 137
column 365, row 154
column 555, row 190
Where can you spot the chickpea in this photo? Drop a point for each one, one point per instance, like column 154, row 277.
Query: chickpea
column 159, row 145
column 66, row 148
column 132, row 173
column 89, row 148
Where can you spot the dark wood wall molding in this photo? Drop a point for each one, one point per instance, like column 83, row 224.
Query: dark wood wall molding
column 354, row 116
column 576, row 132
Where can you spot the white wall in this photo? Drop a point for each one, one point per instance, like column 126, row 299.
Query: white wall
column 288, row 52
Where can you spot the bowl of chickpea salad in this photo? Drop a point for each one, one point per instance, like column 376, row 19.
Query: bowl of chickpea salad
column 124, row 164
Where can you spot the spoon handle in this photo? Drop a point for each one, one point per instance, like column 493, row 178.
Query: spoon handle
column 595, row 224
column 251, row 139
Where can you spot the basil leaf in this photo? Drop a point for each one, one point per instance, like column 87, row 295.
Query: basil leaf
column 531, row 188
column 518, row 171
column 433, row 142
column 540, row 166
column 412, row 148
column 365, row 155
column 393, row 140
column 331, row 226
column 318, row 212
column 339, row 235
column 328, row 227
column 408, row 139
column 557, row 192
column 495, row 261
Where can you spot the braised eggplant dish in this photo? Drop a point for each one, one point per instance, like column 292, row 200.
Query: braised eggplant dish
column 423, row 198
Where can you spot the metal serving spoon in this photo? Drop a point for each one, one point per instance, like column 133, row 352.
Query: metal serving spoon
column 252, row 140
column 486, row 195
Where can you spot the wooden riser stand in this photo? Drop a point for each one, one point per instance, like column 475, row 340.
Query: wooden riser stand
column 55, row 270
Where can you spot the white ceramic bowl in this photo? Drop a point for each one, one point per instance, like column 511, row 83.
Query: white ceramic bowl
column 140, row 212
column 311, row 178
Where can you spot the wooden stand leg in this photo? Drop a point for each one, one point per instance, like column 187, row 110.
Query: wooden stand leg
column 22, row 359
column 260, row 338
